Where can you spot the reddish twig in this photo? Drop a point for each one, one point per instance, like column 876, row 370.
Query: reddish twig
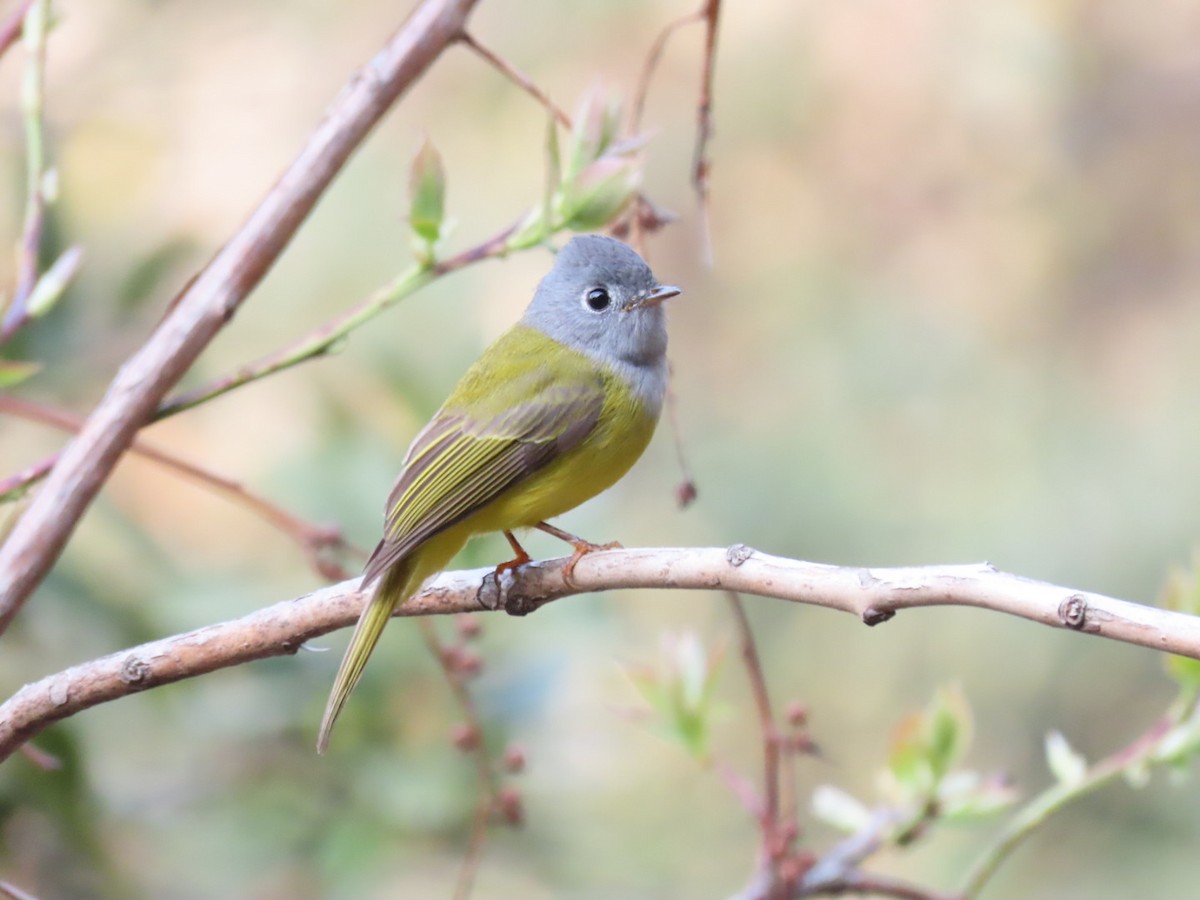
column 643, row 211
column 741, row 788
column 866, row 885
column 778, row 837
column 495, row 246
column 457, row 670
column 32, row 473
column 685, row 491
column 644, row 216
column 517, row 77
column 476, row 841
column 47, row 762
column 704, row 125
column 709, row 13
column 314, row 540
column 208, row 302
column 762, row 704
column 653, row 58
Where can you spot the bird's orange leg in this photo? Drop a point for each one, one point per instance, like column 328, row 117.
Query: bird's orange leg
column 582, row 547
column 517, row 561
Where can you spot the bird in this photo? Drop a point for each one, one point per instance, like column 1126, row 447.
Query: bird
column 553, row 412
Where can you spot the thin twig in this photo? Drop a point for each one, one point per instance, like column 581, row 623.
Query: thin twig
column 517, row 77
column 456, row 677
column 866, row 885
column 709, row 13
column 686, row 491
column 768, row 732
column 653, row 58
column 637, row 214
column 47, row 762
column 324, row 338
column 495, row 246
column 18, row 482
column 314, row 540
column 870, row 594
column 476, row 841
column 741, row 788
column 704, row 126
column 208, row 301
column 316, row 343
column 642, row 211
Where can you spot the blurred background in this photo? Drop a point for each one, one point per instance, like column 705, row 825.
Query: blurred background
column 953, row 316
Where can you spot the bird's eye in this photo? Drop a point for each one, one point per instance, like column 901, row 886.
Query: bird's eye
column 597, row 299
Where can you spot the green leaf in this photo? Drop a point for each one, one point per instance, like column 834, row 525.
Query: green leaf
column 926, row 745
column 597, row 123
column 679, row 690
column 1067, row 766
column 599, row 193
column 908, row 762
column 949, row 729
column 427, row 195
column 13, row 372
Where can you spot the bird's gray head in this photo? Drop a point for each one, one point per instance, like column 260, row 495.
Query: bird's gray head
column 602, row 299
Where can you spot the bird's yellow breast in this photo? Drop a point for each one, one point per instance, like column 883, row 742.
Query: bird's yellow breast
column 609, row 450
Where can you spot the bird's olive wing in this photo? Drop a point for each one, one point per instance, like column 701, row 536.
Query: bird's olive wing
column 457, row 464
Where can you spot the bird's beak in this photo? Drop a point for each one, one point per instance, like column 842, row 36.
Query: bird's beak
column 657, row 296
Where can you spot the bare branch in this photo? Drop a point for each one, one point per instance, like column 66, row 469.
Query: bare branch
column 873, row 595
column 208, row 302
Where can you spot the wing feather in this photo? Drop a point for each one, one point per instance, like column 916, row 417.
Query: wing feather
column 457, row 464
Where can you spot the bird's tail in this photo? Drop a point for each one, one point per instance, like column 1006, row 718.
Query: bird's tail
column 394, row 588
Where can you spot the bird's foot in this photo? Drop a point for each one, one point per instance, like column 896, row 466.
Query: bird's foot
column 517, row 561
column 582, row 549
